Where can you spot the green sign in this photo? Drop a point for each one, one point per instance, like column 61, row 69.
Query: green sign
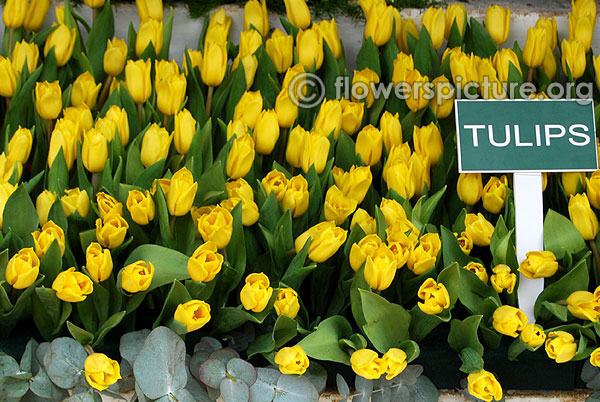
column 526, row 136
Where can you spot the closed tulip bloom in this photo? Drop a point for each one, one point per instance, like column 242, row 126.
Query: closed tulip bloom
column 570, row 181
column 250, row 64
column 435, row 297
column 419, row 169
column 309, row 45
column 43, row 203
column 362, row 249
column 266, row 132
column 465, row 241
column 497, row 23
column 417, row 99
column 119, row 117
column 298, row 13
column 296, row 197
column 280, row 48
column 111, row 231
column 108, row 205
column 355, row 183
column 443, row 102
column 48, row 99
column 6, row 189
column 94, row 151
column 581, row 28
column 62, row 39
column 380, row 268
column 395, row 361
column 367, row 364
column 363, row 82
column 428, row 141
column 137, row 276
column 195, row 60
column 218, row 27
column 595, row 358
column 503, row 279
column 257, row 16
column 239, row 188
column 275, row 182
column 100, row 371
column 549, row 65
column 329, row 118
column 403, row 65
column 326, row 239
column 240, row 157
column 424, row 255
column 150, row 9
column 584, row 7
column 352, row 116
column 94, row 3
column 8, row 78
column 593, row 189
column 76, row 200
column 170, row 94
column 582, row 216
column 456, row 13
column 539, row 264
column 194, row 314
column 494, row 194
column 380, row 21
column 150, row 32
column 533, row 335
column 249, row 108
column 560, row 346
column 337, row 206
column 141, row 207
column 137, row 80
column 256, row 293
column 115, row 56
column 369, row 144
column 19, row 145
column 535, row 47
column 583, row 305
column 391, row 130
column 71, row 286
column 250, row 213
column 13, row 14
column 181, row 193
column 484, row 385
column 36, row 14
column 502, row 61
column 408, row 27
column 573, row 58
column 287, row 303
column 434, row 20
column 549, row 26
column 286, row 109
column 163, row 69
column 98, row 262
column 315, row 153
column 155, row 145
column 463, row 67
column 216, row 226
column 297, row 139
column 392, row 211
column 400, row 245
column 25, row 53
column 479, row 228
column 330, row 33
column 292, row 360
column 22, row 269
column 250, row 41
column 64, row 136
column 185, row 128
column 205, row 263
column 509, row 320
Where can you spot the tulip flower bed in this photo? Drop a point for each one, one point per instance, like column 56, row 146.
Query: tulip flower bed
column 242, row 229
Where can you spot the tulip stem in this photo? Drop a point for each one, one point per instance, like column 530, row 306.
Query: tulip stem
column 10, row 42
column 50, row 127
column 94, row 15
column 530, row 74
column 209, row 96
column 283, row 145
column 94, row 182
column 104, row 92
column 594, row 248
column 140, row 111
column 223, row 252
column 165, row 121
column 14, row 295
column 172, row 225
column 88, row 349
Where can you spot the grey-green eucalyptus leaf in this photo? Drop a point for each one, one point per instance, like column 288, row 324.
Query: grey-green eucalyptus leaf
column 242, row 371
column 234, row 391
column 41, row 386
column 263, row 390
column 295, row 389
column 212, row 372
column 131, row 344
column 64, row 361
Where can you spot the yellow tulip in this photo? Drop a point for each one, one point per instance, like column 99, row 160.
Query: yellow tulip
column 287, row 303
column 256, row 293
column 98, row 262
column 428, row 141
column 185, row 128
column 19, row 146
column 150, row 32
column 214, row 64
column 408, row 27
column 170, row 93
column 108, row 205
column 137, row 80
column 205, row 263
column 416, row 99
column 118, row 116
column 44, row 237
column 76, row 200
column 115, row 56
column 583, row 305
column 137, row 276
column 329, row 118
column 570, row 181
column 216, row 226
column 286, row 109
column 141, row 207
column 100, row 371
column 424, row 255
column 43, row 203
column 535, row 47
column 326, row 239
column 111, row 231
column 395, row 361
column 494, row 194
column 329, row 32
column 64, row 136
column 503, row 278
column 194, row 314
column 581, row 28
column 502, row 61
column 62, row 39
column 593, row 189
column 366, row 364
column 181, row 192
column 266, row 132
column 218, row 27
column 240, row 157
column 509, row 320
column 369, row 144
column 48, row 99
column 248, row 108
column 337, row 206
column 150, row 9
column 479, row 228
column 560, row 346
column 533, row 335
column 13, row 14
column 380, row 268
column 484, row 385
column 435, row 297
column 298, row 13
column 250, row 41
column 36, row 14
column 296, row 197
column 71, row 286
column 363, row 83
column 497, row 23
column 22, row 269
column 366, row 222
column 309, row 46
column 292, row 360
column 479, row 270
column 434, row 21
column 280, row 48
column 380, row 21
column 85, row 90
column 25, row 53
column 455, row 12
column 573, row 58
column 549, row 26
column 257, row 16
column 539, row 264
column 155, row 145
column 352, row 116
column 583, row 217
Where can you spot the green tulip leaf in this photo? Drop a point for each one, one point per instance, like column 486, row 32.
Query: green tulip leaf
column 483, row 45
column 285, row 330
column 323, row 343
column 20, row 214
column 560, row 235
column 368, row 57
column 463, row 334
column 177, row 295
column 472, row 361
column 167, row 33
column 79, row 334
column 168, row 264
column 422, row 324
column 102, row 30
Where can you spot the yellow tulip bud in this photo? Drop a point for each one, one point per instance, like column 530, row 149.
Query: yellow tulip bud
column 309, row 45
column 216, row 226
column 417, row 99
column 48, row 99
column 250, row 41
column 250, row 213
column 503, row 279
column 280, row 48
column 205, row 263
column 185, row 128
column 583, row 305
column 369, row 144
column 194, row 314
column 443, row 102
column 296, row 197
column 108, row 205
column 22, row 269
column 150, row 32
column 329, row 32
column 256, row 15
column 494, row 194
column 535, row 47
column 593, row 189
column 533, row 335
column 463, row 67
column 573, row 58
column 549, row 26
column 329, row 118
column 98, row 262
column 465, row 242
column 584, row 7
column 509, row 320
column 155, row 145
column 298, row 13
column 407, row 27
column 62, row 39
column 424, row 255
column 560, row 346
column 297, row 139
column 25, row 53
column 315, row 153
column 366, row 364
column 380, row 21
column 479, row 228
column 141, row 207
column 275, row 182
column 363, row 82
column 287, row 303
column 595, row 358
column 150, row 9
column 60, row 14
column 337, row 206
column 111, row 231
column 502, row 61
column 266, row 132
column 76, row 200
column 364, row 248
column 14, row 13
column 428, row 141
column 570, row 180
column 484, row 385
column 435, row 297
column 497, row 23
column 539, row 264
column 94, row 151
column 286, row 109
column 100, row 371
column 240, row 157
column 395, row 361
column 583, row 217
column 248, row 108
column 181, row 192
column 170, row 93
column 218, row 27
column 240, row 189
column 326, row 237
column 6, row 189
column 19, row 145
column 581, row 28
column 195, row 59
column 352, row 116
column 137, row 276
column 43, row 203
column 36, row 14
column 71, row 286
column 391, row 130
column 118, row 116
column 64, row 136
column 256, row 293
column 392, row 211
column 137, row 80
column 435, row 22
column 354, row 183
column 81, row 116
column 292, row 360
column 380, row 268
column 115, row 56
column 549, row 66
column 455, row 12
